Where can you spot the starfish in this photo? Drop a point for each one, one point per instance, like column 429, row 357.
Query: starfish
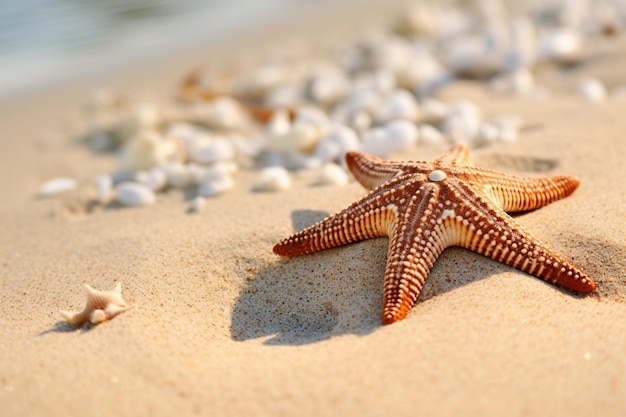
column 101, row 306
column 425, row 207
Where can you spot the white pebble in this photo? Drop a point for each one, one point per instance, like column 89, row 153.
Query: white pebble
column 206, row 150
column 134, row 194
column 274, row 178
column 215, row 181
column 141, row 117
column 155, row 179
column 178, row 175
column 563, row 45
column 104, row 188
column 332, row 173
column 433, row 111
column 375, row 142
column 222, row 113
column 519, row 81
column 592, row 90
column 430, row 135
column 401, row 134
column 146, row 150
column 399, row 105
column 198, row 204
column 462, row 124
column 57, row 186
column 340, row 140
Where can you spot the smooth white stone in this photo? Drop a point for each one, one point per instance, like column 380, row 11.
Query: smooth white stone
column 148, row 149
column 332, row 173
column 563, row 45
column 104, row 188
column 401, row 134
column 222, row 113
column 462, row 124
column 430, row 135
column 274, row 178
column 399, row 105
column 208, row 150
column 592, row 90
column 340, row 140
column 56, row 186
column 375, row 142
column 155, row 179
column 215, row 181
column 433, row 111
column 520, row 81
column 134, row 194
column 178, row 175
column 141, row 117
column 437, row 175
column 198, row 204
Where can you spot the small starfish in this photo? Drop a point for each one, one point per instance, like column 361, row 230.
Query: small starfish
column 426, row 207
column 101, row 306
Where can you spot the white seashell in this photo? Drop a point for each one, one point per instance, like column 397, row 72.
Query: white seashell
column 155, row 179
column 375, row 142
column 56, row 186
column 274, row 178
column 399, row 105
column 134, row 194
column 430, row 135
column 562, row 45
column 462, row 124
column 146, row 150
column 215, row 181
column 104, row 188
column 340, row 140
column 401, row 135
column 592, row 90
column 332, row 173
column 198, row 204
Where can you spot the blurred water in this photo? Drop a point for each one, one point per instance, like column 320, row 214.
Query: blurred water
column 45, row 40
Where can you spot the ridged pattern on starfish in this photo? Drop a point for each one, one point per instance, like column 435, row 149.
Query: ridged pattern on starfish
column 426, row 207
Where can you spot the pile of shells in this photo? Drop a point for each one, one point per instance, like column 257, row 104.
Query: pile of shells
column 376, row 94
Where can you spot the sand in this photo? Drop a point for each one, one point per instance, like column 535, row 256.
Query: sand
column 221, row 326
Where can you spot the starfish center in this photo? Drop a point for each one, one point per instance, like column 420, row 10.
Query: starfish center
column 437, row 175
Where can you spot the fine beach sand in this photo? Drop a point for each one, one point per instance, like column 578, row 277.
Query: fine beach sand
column 221, row 326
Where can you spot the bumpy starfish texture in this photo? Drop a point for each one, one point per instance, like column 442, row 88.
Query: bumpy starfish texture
column 425, row 207
column 101, row 306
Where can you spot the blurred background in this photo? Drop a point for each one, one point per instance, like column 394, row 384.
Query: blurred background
column 44, row 41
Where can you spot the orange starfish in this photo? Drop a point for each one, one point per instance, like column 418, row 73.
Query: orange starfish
column 426, row 207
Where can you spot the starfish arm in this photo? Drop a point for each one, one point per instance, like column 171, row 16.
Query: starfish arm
column 414, row 247
column 513, row 193
column 370, row 217
column 459, row 155
column 482, row 227
column 369, row 170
